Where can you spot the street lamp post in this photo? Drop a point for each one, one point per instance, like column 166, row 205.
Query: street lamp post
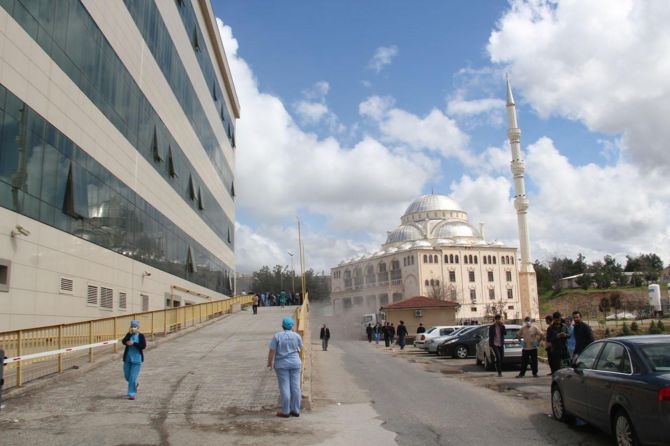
column 293, row 274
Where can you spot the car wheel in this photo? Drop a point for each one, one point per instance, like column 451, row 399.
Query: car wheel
column 461, row 352
column 624, row 433
column 558, row 406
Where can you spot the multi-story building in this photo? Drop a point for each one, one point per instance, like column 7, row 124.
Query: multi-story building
column 117, row 139
column 435, row 252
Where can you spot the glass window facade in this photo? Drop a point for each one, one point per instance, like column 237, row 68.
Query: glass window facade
column 94, row 67
column 45, row 176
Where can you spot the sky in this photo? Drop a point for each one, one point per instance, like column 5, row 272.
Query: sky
column 351, row 110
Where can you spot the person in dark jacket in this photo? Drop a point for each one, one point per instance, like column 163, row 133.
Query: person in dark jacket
column 386, row 332
column 582, row 333
column 368, row 331
column 557, row 335
column 402, row 334
column 497, row 334
column 133, row 356
column 325, row 337
column 420, row 329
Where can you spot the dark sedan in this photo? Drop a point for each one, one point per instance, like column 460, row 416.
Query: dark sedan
column 463, row 344
column 620, row 385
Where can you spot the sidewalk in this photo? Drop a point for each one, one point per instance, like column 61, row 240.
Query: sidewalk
column 208, row 386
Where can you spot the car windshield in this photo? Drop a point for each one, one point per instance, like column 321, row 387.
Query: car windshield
column 658, row 355
column 431, row 329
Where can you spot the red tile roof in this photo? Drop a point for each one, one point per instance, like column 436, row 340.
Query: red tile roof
column 420, row 302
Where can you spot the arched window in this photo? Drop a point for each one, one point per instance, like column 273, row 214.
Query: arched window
column 425, row 258
column 465, row 259
column 437, row 260
column 437, row 283
column 494, row 260
column 451, row 258
column 456, row 258
column 426, row 282
column 432, row 282
column 484, row 259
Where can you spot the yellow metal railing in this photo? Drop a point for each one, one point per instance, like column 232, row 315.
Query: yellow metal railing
column 36, row 340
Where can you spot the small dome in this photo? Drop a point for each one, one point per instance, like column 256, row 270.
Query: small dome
column 404, row 233
column 432, row 202
column 457, row 229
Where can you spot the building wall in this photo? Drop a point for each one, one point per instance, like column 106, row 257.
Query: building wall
column 414, row 276
column 429, row 317
column 123, row 180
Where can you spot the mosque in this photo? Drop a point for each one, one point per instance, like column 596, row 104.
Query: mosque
column 436, row 252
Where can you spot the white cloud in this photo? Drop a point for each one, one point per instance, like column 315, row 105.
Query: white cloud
column 383, row 56
column 342, row 193
column 311, row 112
column 464, row 107
column 602, row 63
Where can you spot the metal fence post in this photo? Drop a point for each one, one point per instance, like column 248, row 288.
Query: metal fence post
column 19, row 368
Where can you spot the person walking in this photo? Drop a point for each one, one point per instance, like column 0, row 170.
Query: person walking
column 378, row 332
column 402, row 334
column 325, row 337
column 582, row 333
column 283, row 297
column 386, row 332
column 254, row 303
column 557, row 335
column 497, row 334
column 531, row 337
column 391, row 329
column 133, row 356
column 368, row 331
column 284, row 355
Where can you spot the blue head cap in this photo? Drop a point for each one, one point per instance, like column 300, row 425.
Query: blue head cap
column 135, row 323
column 287, row 323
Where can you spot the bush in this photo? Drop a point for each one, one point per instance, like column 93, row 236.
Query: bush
column 608, row 333
column 634, row 327
column 625, row 331
column 661, row 326
column 653, row 329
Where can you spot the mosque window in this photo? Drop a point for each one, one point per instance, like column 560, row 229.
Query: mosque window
column 456, row 258
column 494, row 260
column 436, row 259
column 492, row 294
column 475, row 260
column 473, row 309
column 426, row 282
column 508, row 275
column 473, row 295
column 452, row 276
column 471, row 276
column 425, row 258
column 484, row 260
column 465, row 259
column 503, row 260
column 490, row 276
column 437, row 283
column 510, row 294
column 432, row 282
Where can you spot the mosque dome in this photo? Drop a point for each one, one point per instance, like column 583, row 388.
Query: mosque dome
column 404, row 233
column 432, row 202
column 458, row 229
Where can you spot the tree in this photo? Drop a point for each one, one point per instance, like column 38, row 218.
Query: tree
column 545, row 281
column 650, row 265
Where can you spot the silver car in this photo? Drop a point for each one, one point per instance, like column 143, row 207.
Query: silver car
column 432, row 343
column 513, row 347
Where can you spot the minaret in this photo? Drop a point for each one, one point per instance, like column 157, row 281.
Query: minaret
column 527, row 280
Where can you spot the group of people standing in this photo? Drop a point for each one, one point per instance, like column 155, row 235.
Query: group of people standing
column 566, row 338
column 388, row 333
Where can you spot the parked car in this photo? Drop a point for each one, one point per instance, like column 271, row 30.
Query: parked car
column 432, row 332
column 463, row 344
column 620, row 385
column 513, row 346
column 432, row 343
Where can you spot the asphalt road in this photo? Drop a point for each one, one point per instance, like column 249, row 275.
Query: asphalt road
column 428, row 400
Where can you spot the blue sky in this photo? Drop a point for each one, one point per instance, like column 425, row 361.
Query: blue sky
column 353, row 109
